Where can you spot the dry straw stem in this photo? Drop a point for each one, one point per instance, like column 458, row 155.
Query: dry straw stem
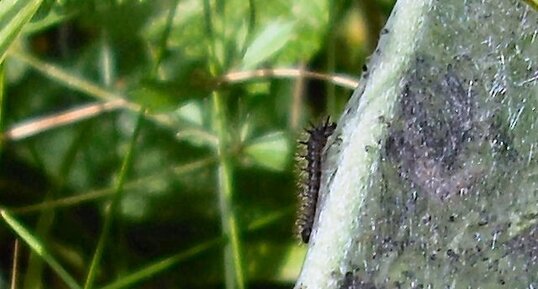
column 241, row 76
column 112, row 101
column 35, row 126
column 15, row 265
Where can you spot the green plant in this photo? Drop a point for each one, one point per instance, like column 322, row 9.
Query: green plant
column 208, row 197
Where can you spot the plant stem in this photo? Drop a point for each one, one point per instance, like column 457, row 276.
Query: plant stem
column 232, row 250
column 112, row 208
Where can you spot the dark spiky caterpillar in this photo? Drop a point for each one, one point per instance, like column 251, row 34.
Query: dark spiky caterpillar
column 308, row 193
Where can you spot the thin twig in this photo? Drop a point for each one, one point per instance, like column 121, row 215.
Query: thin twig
column 15, row 266
column 112, row 101
column 240, row 76
column 35, row 126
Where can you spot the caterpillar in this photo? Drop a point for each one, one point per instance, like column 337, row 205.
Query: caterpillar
column 309, row 187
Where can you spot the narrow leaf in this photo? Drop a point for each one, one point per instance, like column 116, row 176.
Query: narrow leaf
column 270, row 151
column 14, row 14
column 267, row 43
column 37, row 246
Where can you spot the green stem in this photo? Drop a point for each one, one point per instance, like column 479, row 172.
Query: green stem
column 233, row 270
column 112, row 208
column 232, row 250
column 164, row 38
column 162, row 265
column 158, row 267
column 33, row 278
column 38, row 247
column 330, row 90
column 2, row 88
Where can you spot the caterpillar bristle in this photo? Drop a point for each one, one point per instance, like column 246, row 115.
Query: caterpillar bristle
column 309, row 166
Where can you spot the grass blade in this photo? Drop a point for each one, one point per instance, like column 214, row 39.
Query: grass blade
column 159, row 266
column 129, row 280
column 13, row 15
column 38, row 247
column 2, row 96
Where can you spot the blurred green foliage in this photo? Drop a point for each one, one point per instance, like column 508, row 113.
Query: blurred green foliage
column 171, row 57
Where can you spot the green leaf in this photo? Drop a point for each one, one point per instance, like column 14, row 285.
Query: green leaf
column 273, row 38
column 192, row 112
column 153, row 97
column 270, row 151
column 53, row 18
column 14, row 14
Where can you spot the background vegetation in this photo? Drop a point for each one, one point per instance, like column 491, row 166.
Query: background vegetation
column 143, row 147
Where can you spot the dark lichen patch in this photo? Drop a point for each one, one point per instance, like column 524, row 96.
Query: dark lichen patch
column 355, row 281
column 449, row 141
column 436, row 123
column 525, row 248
